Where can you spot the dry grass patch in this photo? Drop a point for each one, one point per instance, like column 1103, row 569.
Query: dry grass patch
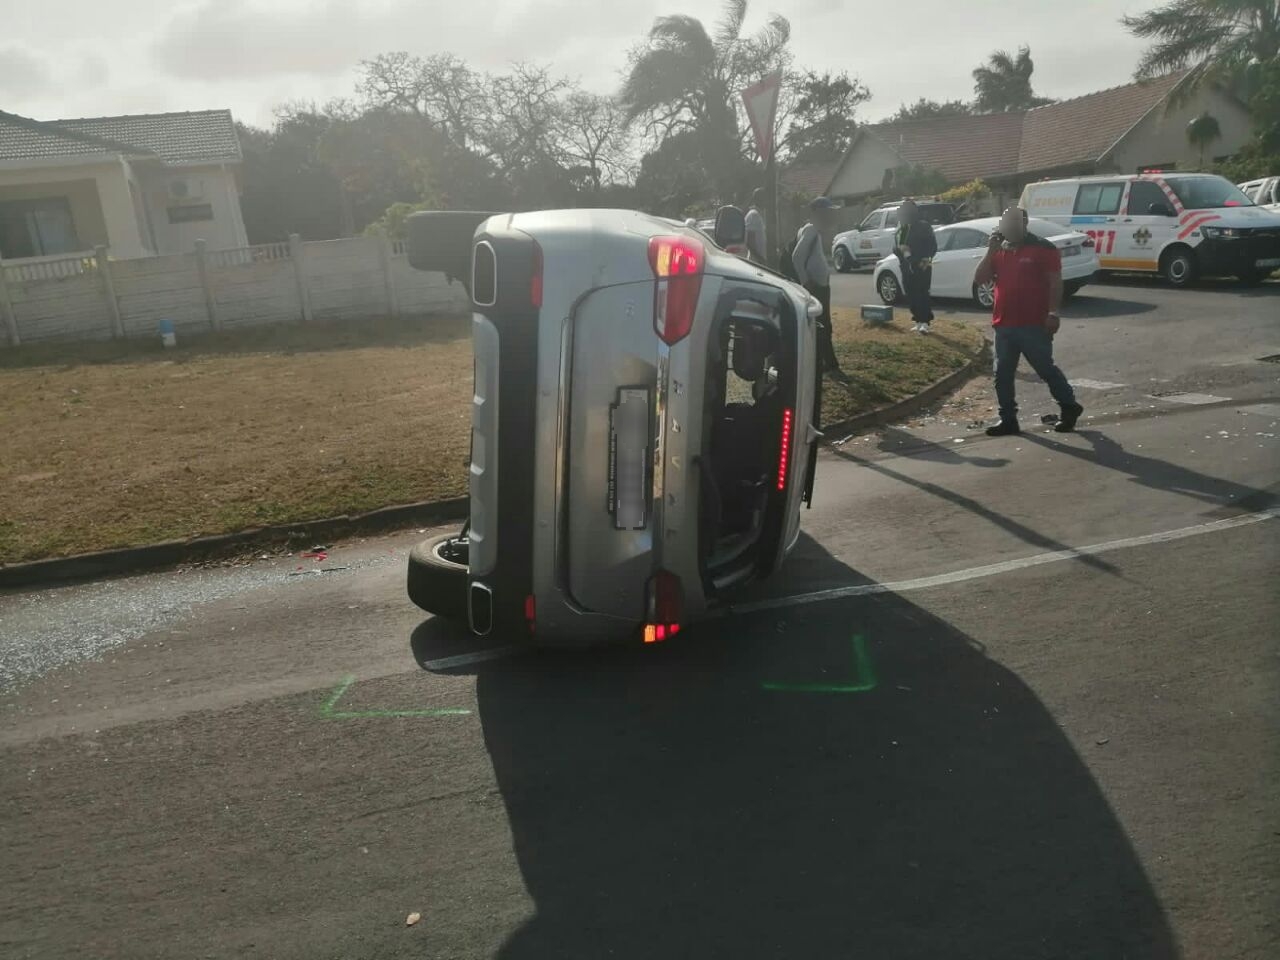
column 118, row 444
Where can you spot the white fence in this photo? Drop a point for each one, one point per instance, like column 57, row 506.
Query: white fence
column 90, row 296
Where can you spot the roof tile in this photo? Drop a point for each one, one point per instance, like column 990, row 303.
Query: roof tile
column 206, row 136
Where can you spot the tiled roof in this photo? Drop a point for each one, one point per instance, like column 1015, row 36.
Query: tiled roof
column 810, row 178
column 1084, row 129
column 206, row 136
column 22, row 138
column 962, row 148
column 1007, row 144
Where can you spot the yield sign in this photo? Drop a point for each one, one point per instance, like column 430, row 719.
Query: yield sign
column 761, row 101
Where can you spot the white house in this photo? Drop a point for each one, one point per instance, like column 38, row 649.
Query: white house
column 139, row 185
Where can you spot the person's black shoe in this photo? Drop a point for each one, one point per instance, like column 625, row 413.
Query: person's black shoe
column 1005, row 428
column 1067, row 422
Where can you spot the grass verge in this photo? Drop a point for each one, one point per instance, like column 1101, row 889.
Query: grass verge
column 120, row 444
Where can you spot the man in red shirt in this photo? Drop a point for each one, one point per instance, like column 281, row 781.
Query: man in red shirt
column 1028, row 282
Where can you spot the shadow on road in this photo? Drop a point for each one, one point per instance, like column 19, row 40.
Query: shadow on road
column 903, row 443
column 724, row 797
column 1162, row 475
column 1083, row 305
column 1008, row 524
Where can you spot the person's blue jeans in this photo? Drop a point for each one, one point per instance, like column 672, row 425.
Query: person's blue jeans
column 1036, row 345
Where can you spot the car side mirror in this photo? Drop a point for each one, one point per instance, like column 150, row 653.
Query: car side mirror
column 441, row 240
column 731, row 227
column 1160, row 210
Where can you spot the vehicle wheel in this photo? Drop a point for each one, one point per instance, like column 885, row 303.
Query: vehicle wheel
column 844, row 260
column 1069, row 290
column 1178, row 266
column 984, row 294
column 888, row 288
column 437, row 580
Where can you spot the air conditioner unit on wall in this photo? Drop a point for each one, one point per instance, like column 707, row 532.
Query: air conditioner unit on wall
column 184, row 188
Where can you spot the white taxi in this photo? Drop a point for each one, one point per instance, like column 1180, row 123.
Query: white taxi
column 1180, row 225
column 961, row 247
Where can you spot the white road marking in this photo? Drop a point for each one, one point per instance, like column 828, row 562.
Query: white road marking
column 1097, row 384
column 1196, row 398
column 1007, row 566
column 480, row 656
column 1263, row 409
column 920, row 583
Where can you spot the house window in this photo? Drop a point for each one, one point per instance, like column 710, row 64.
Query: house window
column 191, row 213
column 37, row 228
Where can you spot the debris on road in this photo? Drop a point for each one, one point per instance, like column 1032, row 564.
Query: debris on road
column 1103, row 741
column 412, row 919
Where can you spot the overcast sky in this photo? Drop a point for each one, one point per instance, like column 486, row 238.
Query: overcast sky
column 69, row 58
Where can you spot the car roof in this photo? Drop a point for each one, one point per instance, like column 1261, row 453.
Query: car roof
column 988, row 224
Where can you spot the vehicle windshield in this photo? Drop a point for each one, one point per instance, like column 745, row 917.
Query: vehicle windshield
column 1206, row 193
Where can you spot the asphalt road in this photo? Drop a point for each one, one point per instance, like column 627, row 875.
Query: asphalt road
column 1011, row 698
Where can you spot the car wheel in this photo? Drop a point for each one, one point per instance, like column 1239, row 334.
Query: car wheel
column 437, row 580
column 888, row 288
column 1069, row 290
column 1178, row 266
column 844, row 261
column 984, row 294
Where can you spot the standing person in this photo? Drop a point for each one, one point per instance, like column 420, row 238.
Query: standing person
column 1028, row 293
column 915, row 246
column 811, row 269
column 756, row 245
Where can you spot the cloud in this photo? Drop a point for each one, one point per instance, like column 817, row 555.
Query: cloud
column 22, row 74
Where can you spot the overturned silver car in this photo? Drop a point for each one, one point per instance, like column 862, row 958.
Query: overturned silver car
column 644, row 423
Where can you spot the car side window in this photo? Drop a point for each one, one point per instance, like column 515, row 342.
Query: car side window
column 1275, row 193
column 891, row 219
column 966, row 239
column 1099, row 198
column 1142, row 195
column 872, row 222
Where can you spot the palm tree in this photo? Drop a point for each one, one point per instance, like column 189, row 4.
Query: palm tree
column 1217, row 39
column 686, row 80
column 1003, row 83
column 1202, row 131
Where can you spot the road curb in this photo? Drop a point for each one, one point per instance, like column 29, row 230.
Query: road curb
column 914, row 404
column 171, row 553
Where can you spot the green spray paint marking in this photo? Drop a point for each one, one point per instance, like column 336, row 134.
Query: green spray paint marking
column 329, row 713
column 864, row 676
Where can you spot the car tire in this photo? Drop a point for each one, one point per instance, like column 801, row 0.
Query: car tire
column 1178, row 266
column 1069, row 290
column 984, row 294
column 844, row 260
column 437, row 580
column 888, row 287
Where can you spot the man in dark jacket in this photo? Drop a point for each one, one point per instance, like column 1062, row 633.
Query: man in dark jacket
column 914, row 245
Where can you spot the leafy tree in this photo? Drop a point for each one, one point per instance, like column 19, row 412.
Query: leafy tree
column 1003, row 83
column 924, row 109
column 684, row 80
column 912, row 180
column 1202, row 131
column 286, row 187
column 823, row 119
column 1217, row 39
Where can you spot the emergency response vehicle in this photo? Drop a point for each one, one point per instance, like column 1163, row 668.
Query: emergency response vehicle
column 644, row 422
column 1180, row 225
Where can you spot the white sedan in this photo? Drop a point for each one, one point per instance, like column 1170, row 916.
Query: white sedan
column 961, row 247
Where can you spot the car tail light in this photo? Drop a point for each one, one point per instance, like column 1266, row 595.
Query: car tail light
column 677, row 264
column 531, row 612
column 784, row 447
column 535, row 276
column 666, row 606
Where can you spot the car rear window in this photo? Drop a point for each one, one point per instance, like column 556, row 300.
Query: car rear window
column 938, row 213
